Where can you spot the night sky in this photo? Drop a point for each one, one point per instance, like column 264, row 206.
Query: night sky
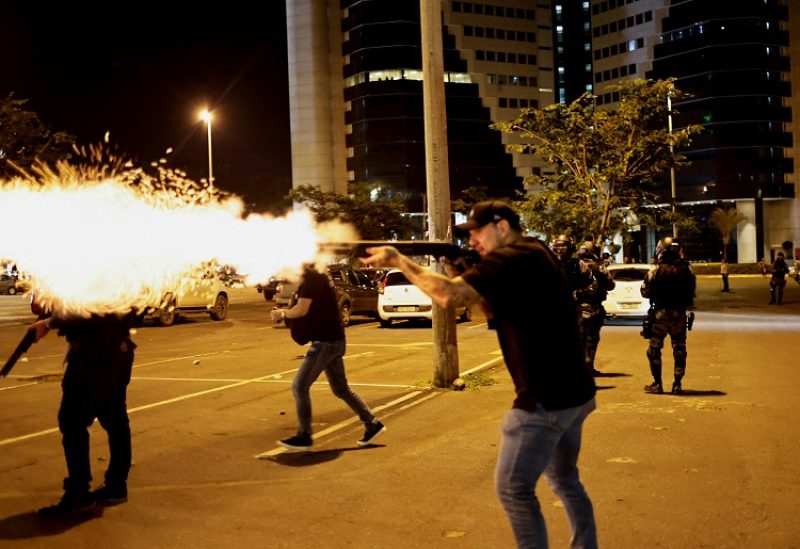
column 143, row 74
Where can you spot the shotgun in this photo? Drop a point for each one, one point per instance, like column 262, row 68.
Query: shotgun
column 358, row 248
column 22, row 347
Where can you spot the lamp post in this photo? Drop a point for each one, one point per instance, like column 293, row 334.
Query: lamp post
column 673, row 188
column 206, row 116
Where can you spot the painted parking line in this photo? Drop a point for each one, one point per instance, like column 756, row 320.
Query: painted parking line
column 348, row 422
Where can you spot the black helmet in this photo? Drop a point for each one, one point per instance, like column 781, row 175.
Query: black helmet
column 563, row 247
column 588, row 252
column 668, row 250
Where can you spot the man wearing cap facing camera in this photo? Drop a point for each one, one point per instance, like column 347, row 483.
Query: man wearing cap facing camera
column 540, row 340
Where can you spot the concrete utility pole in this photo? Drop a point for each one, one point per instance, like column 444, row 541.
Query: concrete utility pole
column 445, row 348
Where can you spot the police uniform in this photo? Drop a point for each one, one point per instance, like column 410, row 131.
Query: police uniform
column 778, row 281
column 670, row 286
column 592, row 312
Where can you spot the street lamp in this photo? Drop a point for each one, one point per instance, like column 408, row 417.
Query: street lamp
column 206, row 116
column 673, row 188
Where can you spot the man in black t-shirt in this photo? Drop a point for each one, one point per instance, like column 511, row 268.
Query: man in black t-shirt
column 315, row 317
column 521, row 287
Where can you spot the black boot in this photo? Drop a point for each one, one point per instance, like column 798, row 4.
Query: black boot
column 676, row 387
column 655, row 388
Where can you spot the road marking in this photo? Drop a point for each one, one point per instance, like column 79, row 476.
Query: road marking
column 393, row 345
column 481, row 325
column 346, row 423
column 166, row 360
column 17, row 386
column 287, row 380
column 487, row 364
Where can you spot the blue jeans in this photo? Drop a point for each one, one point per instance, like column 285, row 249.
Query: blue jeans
column 325, row 356
column 544, row 442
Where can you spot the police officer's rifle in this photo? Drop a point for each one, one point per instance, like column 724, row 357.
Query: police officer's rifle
column 22, row 348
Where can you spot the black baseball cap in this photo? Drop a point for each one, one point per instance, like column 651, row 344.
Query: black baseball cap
column 490, row 211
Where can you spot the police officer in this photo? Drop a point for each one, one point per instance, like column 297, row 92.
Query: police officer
column 593, row 314
column 582, row 284
column 98, row 369
column 670, row 286
column 778, row 281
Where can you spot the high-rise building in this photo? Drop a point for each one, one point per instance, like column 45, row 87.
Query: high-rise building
column 572, row 49
column 356, row 91
column 734, row 60
column 356, row 96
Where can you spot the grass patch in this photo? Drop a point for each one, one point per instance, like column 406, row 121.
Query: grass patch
column 477, row 381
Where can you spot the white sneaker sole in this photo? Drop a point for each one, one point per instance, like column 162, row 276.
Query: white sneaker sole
column 370, row 441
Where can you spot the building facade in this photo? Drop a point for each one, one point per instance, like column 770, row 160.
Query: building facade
column 735, row 60
column 356, row 96
column 497, row 60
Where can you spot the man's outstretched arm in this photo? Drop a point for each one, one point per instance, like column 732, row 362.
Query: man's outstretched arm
column 443, row 290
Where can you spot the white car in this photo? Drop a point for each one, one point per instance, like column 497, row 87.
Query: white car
column 398, row 299
column 206, row 295
column 625, row 300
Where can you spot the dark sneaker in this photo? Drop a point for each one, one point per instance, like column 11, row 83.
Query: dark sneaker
column 676, row 388
column 70, row 503
column 111, row 494
column 372, row 430
column 654, row 388
column 297, row 442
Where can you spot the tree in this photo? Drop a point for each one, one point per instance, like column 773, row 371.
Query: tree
column 375, row 215
column 25, row 140
column 725, row 220
column 603, row 166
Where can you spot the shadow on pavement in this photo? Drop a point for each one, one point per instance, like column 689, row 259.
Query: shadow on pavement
column 304, row 459
column 694, row 393
column 31, row 525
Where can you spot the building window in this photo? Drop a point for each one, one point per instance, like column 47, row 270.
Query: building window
column 479, row 55
column 457, row 6
column 502, row 102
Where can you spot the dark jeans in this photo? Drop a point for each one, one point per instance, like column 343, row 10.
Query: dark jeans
column 96, row 389
column 325, row 356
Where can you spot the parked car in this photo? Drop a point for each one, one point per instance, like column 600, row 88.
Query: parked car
column 271, row 287
column 206, row 295
column 398, row 299
column 625, row 300
column 12, row 285
column 357, row 294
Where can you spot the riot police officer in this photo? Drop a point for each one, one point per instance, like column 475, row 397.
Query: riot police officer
column 778, row 280
column 580, row 281
column 592, row 312
column 670, row 286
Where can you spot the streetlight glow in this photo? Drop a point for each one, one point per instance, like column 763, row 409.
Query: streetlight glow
column 206, row 116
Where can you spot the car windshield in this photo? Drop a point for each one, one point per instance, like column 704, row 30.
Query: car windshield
column 395, row 279
column 629, row 275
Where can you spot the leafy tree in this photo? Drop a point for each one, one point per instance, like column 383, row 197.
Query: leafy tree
column 604, row 165
column 26, row 141
column 469, row 197
column 725, row 220
column 375, row 215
